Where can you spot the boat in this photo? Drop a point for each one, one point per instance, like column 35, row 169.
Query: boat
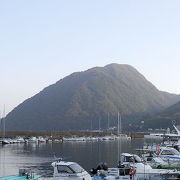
column 74, row 139
column 19, row 140
column 24, row 174
column 5, row 141
column 131, row 167
column 41, row 139
column 119, row 128
column 108, row 138
column 124, row 136
column 144, row 170
column 151, row 157
column 32, row 140
column 64, row 170
column 168, row 154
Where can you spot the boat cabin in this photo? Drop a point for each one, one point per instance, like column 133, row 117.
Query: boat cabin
column 127, row 159
column 169, row 154
column 69, row 170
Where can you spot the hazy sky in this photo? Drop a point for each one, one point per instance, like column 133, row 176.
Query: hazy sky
column 43, row 41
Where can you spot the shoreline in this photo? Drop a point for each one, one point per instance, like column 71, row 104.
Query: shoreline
column 60, row 134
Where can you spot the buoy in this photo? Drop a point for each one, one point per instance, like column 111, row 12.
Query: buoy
column 132, row 171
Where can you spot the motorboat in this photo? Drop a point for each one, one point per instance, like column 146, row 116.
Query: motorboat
column 19, row 140
column 6, row 141
column 169, row 154
column 123, row 136
column 41, row 139
column 32, row 140
column 108, row 138
column 24, row 174
column 155, row 161
column 69, row 171
column 143, row 169
column 74, row 139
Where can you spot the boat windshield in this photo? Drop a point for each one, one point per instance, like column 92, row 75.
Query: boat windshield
column 169, row 152
column 137, row 159
column 129, row 159
column 64, row 169
column 76, row 168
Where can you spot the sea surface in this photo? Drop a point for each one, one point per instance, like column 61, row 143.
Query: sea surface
column 39, row 156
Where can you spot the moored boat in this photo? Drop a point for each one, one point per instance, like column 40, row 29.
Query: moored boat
column 69, row 170
column 24, row 174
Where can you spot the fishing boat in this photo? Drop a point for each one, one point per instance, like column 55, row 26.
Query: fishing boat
column 24, row 174
column 130, row 167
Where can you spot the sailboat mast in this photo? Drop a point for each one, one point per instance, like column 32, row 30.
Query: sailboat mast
column 108, row 121
column 4, row 123
column 99, row 124
column 118, row 124
column 91, row 124
column 118, row 139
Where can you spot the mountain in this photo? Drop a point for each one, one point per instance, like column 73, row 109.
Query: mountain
column 85, row 98
column 165, row 118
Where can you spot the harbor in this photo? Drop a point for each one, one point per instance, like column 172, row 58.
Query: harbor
column 39, row 156
column 89, row 90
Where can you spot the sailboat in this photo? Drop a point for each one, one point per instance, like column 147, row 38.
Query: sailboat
column 119, row 133
column 3, row 123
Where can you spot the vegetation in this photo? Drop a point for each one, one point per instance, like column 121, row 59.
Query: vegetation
column 83, row 100
column 165, row 118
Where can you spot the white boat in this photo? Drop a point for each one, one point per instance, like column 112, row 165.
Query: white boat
column 91, row 138
column 32, row 140
column 69, row 171
column 119, row 128
column 153, row 136
column 169, row 154
column 144, row 170
column 108, row 138
column 5, row 141
column 123, row 136
column 74, row 139
column 19, row 139
column 41, row 139
column 132, row 167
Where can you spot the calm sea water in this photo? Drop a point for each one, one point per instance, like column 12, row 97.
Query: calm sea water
column 39, row 157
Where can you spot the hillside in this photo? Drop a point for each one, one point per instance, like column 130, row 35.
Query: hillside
column 165, row 118
column 82, row 98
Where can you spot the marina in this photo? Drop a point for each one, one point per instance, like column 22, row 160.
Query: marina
column 38, row 157
column 89, row 90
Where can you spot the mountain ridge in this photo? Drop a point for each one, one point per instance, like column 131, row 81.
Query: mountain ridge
column 74, row 101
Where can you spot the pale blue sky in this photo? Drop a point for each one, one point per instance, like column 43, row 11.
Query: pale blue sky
column 43, row 41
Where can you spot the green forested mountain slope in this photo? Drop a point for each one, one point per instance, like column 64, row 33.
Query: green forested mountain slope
column 82, row 98
column 165, row 118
